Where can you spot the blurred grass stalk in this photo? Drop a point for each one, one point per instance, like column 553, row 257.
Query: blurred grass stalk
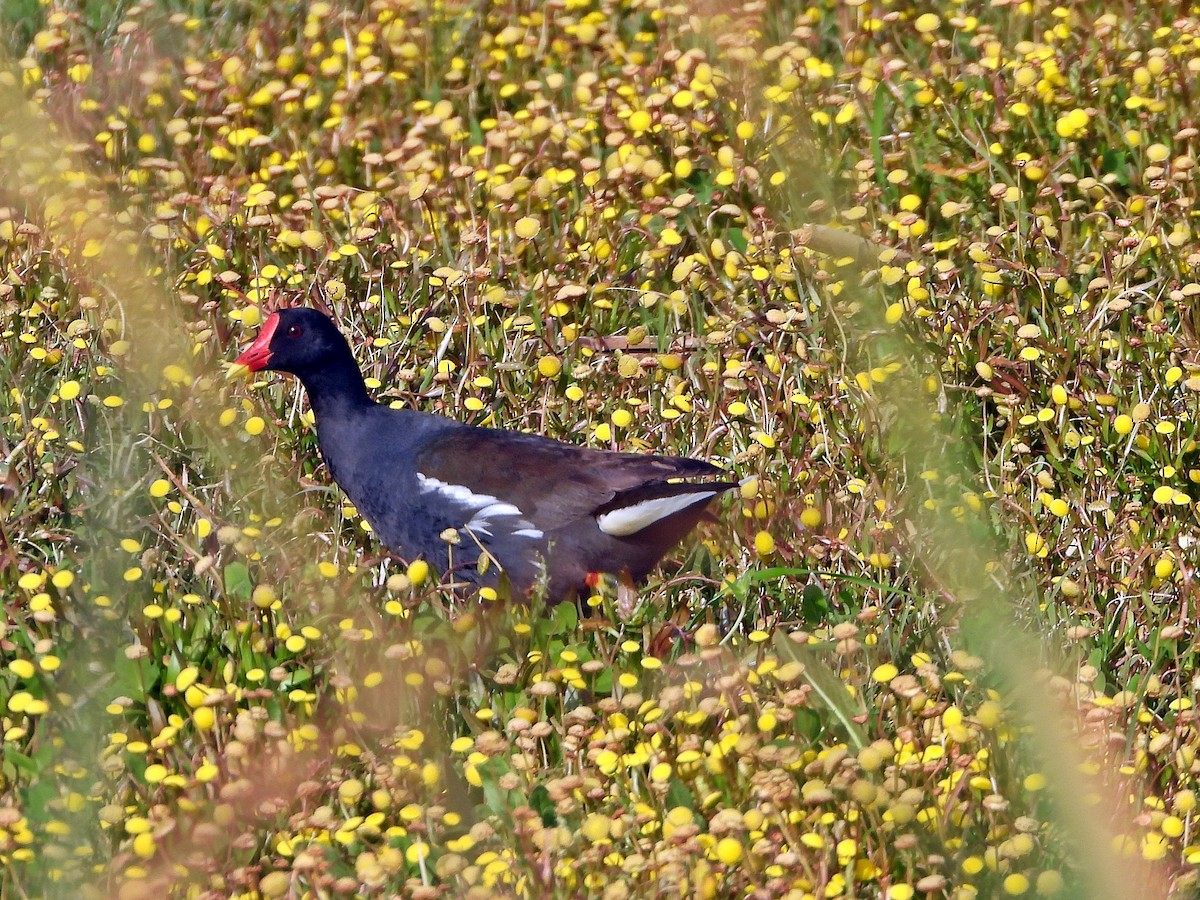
column 963, row 560
column 40, row 175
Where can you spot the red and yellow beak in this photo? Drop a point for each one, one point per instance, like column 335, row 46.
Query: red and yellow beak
column 258, row 355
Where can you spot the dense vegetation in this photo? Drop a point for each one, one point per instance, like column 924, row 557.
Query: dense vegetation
column 928, row 274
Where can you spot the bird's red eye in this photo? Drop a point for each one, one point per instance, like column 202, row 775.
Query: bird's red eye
column 295, row 331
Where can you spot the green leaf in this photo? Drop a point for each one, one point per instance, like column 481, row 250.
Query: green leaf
column 814, row 605
column 678, row 794
column 777, row 572
column 496, row 798
column 21, row 762
column 237, row 581
column 737, row 238
column 831, row 689
column 539, row 800
column 134, row 677
column 1116, row 163
column 807, row 723
column 702, row 186
column 566, row 618
column 44, row 758
column 298, row 678
column 40, row 793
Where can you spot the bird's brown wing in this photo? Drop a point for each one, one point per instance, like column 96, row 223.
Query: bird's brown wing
column 552, row 483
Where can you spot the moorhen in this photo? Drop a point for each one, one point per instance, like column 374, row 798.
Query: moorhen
column 482, row 504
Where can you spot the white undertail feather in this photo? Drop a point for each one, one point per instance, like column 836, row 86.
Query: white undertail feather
column 629, row 520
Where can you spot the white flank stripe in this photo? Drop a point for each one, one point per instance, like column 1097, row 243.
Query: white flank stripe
column 498, row 509
column 631, row 519
column 484, row 509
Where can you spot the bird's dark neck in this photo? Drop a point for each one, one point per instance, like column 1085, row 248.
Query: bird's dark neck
column 337, row 391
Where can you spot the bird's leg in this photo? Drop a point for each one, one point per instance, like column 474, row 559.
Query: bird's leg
column 618, row 588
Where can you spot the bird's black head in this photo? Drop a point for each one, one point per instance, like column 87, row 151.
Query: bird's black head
column 300, row 341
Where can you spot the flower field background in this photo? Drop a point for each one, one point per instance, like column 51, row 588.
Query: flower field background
column 927, row 276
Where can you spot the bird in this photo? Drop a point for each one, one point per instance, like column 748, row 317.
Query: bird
column 517, row 512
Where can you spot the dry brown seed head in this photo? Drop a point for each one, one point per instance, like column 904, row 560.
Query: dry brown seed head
column 844, row 631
